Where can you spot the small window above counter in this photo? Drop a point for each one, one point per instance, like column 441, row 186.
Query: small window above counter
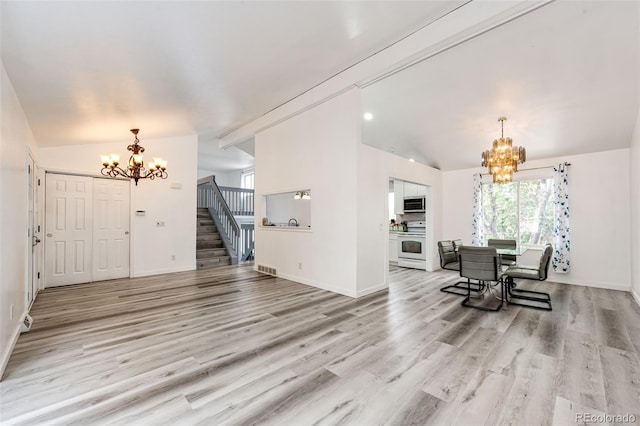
column 287, row 210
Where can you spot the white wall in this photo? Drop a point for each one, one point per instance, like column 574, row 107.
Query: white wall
column 15, row 137
column 151, row 246
column 375, row 167
column 232, row 179
column 316, row 149
column 600, row 206
column 634, row 163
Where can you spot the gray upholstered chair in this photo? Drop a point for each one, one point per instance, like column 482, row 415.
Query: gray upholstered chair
column 542, row 300
column 506, row 259
column 448, row 258
column 481, row 264
column 457, row 244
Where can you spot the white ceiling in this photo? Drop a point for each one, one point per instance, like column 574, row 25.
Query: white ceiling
column 88, row 71
column 565, row 75
column 215, row 159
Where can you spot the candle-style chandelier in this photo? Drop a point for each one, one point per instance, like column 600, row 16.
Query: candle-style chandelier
column 135, row 168
column 503, row 158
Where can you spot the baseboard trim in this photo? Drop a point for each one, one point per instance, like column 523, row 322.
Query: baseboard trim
column 8, row 350
column 316, row 284
column 371, row 290
column 163, row 271
column 636, row 296
column 558, row 278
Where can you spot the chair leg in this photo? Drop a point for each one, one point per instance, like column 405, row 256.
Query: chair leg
column 461, row 287
column 545, row 300
column 465, row 302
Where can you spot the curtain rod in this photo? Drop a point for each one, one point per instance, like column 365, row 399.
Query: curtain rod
column 532, row 168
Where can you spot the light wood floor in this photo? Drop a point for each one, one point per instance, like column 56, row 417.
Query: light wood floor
column 231, row 346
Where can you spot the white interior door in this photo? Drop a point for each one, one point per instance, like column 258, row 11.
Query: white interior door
column 68, row 229
column 110, row 229
column 36, row 229
column 32, row 239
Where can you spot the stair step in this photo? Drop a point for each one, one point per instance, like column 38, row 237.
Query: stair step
column 212, row 236
column 207, row 253
column 205, row 222
column 207, row 229
column 212, row 263
column 208, row 244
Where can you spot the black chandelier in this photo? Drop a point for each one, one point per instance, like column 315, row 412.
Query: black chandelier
column 135, row 169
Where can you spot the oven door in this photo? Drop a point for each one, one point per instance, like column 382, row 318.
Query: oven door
column 411, row 247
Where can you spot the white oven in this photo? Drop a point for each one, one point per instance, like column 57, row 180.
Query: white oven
column 412, row 250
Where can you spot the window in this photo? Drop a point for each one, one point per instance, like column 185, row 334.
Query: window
column 247, row 180
column 521, row 211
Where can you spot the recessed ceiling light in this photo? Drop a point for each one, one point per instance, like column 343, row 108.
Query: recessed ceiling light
column 412, row 160
column 368, row 116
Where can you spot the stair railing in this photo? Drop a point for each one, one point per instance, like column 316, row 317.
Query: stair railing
column 239, row 200
column 247, row 241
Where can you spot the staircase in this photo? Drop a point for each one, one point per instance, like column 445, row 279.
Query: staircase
column 210, row 252
column 237, row 239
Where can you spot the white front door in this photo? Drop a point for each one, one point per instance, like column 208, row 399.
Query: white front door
column 110, row 229
column 68, row 229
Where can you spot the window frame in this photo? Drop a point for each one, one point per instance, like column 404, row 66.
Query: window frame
column 246, row 173
column 521, row 177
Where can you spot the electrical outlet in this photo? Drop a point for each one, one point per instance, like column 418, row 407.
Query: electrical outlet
column 11, row 312
column 159, row 224
column 299, row 265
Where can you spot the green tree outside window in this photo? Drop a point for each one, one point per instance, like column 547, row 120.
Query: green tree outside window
column 520, row 211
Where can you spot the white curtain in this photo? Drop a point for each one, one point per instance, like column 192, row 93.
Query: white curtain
column 561, row 226
column 477, row 235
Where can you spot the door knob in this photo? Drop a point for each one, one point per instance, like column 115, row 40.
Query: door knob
column 126, row 232
column 35, row 241
column 49, row 235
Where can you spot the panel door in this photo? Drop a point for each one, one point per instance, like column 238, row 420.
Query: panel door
column 110, row 229
column 36, row 230
column 68, row 227
column 31, row 195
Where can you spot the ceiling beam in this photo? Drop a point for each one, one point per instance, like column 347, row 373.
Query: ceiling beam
column 466, row 22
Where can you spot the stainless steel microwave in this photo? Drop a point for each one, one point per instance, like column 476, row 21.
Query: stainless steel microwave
column 414, row 205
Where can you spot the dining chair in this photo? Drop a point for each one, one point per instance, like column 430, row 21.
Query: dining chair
column 506, row 259
column 449, row 260
column 481, row 264
column 540, row 273
column 456, row 244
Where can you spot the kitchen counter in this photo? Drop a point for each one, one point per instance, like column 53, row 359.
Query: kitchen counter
column 286, row 228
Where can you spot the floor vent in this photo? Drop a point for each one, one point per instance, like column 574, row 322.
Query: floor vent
column 267, row 270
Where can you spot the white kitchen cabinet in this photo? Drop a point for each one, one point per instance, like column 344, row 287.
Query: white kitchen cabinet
column 393, row 247
column 414, row 190
column 398, row 197
column 410, row 189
